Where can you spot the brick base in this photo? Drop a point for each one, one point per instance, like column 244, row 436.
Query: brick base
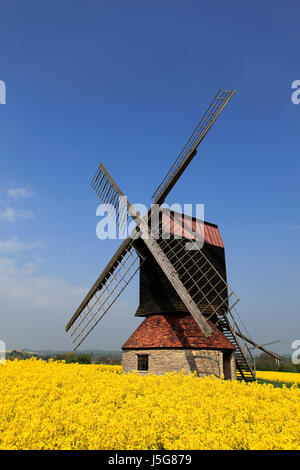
column 203, row 361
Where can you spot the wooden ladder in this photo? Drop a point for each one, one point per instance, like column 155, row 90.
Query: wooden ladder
column 244, row 371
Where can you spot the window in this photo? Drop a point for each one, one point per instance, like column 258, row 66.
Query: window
column 142, row 361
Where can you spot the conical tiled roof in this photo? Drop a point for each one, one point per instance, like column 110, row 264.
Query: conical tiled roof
column 175, row 331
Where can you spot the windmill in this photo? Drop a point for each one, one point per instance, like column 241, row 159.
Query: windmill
column 184, row 294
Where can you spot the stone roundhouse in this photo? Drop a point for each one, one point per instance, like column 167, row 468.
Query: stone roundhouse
column 168, row 343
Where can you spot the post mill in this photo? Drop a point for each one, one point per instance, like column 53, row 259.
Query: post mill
column 189, row 308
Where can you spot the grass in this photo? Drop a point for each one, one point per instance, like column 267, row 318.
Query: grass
column 277, row 383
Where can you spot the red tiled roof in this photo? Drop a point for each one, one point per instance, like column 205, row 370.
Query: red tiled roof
column 191, row 228
column 175, row 331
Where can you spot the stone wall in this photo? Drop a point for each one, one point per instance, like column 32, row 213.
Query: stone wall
column 203, row 361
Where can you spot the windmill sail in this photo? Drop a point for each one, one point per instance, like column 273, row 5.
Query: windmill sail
column 190, row 149
column 160, row 257
column 108, row 287
column 85, row 323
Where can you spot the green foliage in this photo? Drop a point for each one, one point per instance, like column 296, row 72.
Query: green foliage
column 266, row 362
column 71, row 357
column 20, row 355
column 277, row 383
column 107, row 360
column 88, row 357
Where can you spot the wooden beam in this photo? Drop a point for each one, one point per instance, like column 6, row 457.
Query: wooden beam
column 266, row 344
column 162, row 260
column 275, row 356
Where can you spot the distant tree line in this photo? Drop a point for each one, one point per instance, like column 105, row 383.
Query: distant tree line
column 69, row 357
column 266, row 362
column 84, row 358
column 11, row 355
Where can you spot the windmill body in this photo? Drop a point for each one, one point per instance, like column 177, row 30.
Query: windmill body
column 169, row 339
column 184, row 295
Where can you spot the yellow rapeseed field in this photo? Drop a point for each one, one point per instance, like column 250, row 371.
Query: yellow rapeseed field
column 290, row 377
column 53, row 405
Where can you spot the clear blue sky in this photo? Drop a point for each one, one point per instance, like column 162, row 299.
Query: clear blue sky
column 125, row 82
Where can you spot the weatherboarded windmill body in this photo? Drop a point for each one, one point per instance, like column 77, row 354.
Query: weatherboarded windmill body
column 184, row 295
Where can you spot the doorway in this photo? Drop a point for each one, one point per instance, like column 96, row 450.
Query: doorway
column 227, row 355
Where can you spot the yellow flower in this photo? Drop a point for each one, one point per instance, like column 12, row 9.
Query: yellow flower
column 291, row 377
column 54, row 405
